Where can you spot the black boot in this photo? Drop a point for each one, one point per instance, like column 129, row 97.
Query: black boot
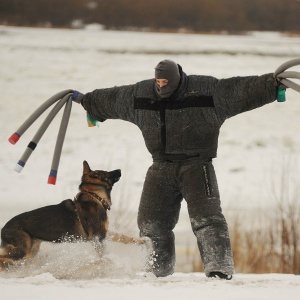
column 219, row 275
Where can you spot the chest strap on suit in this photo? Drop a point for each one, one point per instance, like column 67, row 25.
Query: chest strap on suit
column 175, row 157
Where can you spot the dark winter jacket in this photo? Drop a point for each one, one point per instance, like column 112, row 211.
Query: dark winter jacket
column 187, row 124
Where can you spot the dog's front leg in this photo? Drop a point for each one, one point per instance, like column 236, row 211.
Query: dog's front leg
column 99, row 246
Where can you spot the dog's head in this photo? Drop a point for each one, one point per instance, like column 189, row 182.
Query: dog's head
column 98, row 181
column 99, row 177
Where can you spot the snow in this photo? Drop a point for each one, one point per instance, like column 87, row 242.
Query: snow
column 254, row 148
column 175, row 287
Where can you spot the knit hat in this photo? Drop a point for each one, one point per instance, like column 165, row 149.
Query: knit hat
column 167, row 69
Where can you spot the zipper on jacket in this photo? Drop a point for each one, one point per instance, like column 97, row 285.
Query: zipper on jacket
column 162, row 113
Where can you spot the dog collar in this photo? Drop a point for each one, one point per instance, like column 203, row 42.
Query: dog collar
column 102, row 201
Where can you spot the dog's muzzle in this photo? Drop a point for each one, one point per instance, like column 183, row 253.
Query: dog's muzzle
column 114, row 176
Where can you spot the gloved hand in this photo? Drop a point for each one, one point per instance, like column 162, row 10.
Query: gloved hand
column 77, row 97
column 280, row 85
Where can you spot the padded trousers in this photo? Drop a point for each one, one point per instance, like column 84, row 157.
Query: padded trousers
column 166, row 185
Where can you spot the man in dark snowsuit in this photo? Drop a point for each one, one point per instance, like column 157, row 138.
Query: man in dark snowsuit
column 180, row 117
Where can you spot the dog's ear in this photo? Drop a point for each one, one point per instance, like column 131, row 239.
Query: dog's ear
column 86, row 167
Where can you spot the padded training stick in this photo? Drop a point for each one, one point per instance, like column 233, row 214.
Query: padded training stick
column 33, row 117
column 284, row 76
column 32, row 145
column 286, row 65
column 60, row 140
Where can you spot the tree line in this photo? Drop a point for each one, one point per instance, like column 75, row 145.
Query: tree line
column 166, row 15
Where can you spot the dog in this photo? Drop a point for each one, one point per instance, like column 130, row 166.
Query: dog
column 83, row 218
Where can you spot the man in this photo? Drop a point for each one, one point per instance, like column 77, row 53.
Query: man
column 180, row 117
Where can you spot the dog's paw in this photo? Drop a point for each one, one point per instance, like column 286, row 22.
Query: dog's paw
column 6, row 263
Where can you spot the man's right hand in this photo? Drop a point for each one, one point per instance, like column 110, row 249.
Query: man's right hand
column 77, row 97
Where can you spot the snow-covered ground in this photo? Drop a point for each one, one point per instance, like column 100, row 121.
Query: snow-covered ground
column 254, row 150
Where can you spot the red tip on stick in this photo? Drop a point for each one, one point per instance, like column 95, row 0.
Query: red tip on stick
column 14, row 138
column 52, row 177
column 51, row 180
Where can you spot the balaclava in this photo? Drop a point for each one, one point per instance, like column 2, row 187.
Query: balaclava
column 167, row 69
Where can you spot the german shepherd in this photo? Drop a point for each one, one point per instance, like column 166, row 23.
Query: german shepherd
column 83, row 218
